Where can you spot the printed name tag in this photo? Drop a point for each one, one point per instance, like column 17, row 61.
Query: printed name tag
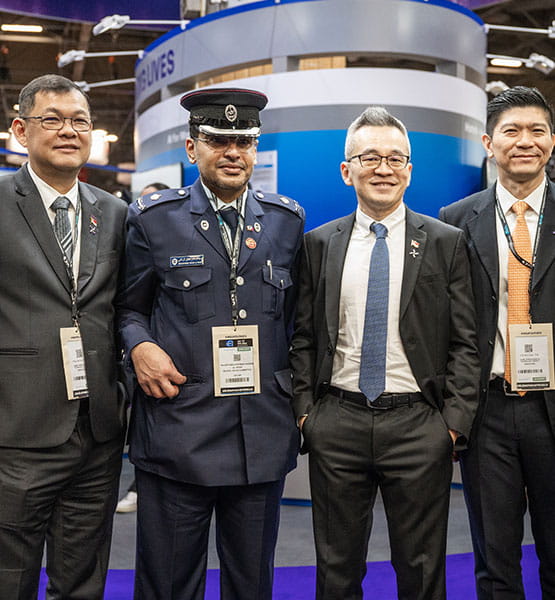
column 236, row 360
column 74, row 363
column 192, row 260
column 531, row 356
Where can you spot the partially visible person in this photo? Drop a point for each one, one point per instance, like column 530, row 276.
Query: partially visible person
column 385, row 370
column 128, row 503
column 510, row 462
column 207, row 309
column 62, row 418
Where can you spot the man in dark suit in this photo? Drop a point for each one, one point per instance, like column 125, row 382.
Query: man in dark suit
column 385, row 366
column 207, row 315
column 510, row 461
column 61, row 414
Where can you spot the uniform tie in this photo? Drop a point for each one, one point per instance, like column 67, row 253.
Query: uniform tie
column 230, row 216
column 62, row 226
column 518, row 304
column 373, row 351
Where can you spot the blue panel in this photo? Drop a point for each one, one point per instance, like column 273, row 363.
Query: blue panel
column 445, row 169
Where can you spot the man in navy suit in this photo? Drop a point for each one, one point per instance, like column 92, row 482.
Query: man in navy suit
column 510, row 461
column 208, row 302
column 384, row 389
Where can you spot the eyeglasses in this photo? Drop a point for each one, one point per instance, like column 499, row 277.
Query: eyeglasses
column 53, row 123
column 222, row 142
column 373, row 161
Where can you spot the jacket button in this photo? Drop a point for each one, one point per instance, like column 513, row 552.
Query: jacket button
column 242, row 314
column 186, row 283
column 240, row 280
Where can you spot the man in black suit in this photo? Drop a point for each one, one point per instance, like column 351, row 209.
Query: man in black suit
column 61, row 414
column 510, row 461
column 384, row 376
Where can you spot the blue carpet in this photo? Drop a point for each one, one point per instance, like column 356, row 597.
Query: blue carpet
column 297, row 583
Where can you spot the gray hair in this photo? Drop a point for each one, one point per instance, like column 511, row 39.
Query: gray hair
column 373, row 116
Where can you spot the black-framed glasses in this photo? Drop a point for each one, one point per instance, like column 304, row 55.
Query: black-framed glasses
column 222, row 142
column 54, row 123
column 373, row 161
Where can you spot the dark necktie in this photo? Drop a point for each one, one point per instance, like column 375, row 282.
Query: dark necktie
column 373, row 351
column 229, row 215
column 62, row 226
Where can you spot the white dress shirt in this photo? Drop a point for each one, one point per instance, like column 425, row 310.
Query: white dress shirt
column 352, row 306
column 506, row 200
column 48, row 194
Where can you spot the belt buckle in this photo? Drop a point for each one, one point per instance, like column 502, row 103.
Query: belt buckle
column 507, row 391
column 375, row 407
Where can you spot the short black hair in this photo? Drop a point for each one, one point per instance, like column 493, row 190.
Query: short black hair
column 46, row 83
column 516, row 97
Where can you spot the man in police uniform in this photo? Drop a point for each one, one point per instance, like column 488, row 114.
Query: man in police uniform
column 207, row 304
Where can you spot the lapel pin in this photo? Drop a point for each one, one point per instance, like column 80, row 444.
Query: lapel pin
column 414, row 244
column 249, row 227
column 93, row 225
column 204, row 225
column 250, row 243
column 413, row 253
column 257, row 227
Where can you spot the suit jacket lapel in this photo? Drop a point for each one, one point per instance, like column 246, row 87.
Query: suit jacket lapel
column 91, row 222
column 546, row 245
column 206, row 222
column 254, row 214
column 335, row 260
column 32, row 207
column 415, row 246
column 482, row 234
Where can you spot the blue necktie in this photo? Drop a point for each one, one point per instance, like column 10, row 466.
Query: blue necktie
column 372, row 359
column 230, row 216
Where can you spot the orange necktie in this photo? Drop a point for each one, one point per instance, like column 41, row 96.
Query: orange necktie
column 518, row 304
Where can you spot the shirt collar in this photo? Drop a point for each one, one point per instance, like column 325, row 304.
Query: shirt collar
column 218, row 204
column 49, row 194
column 363, row 221
column 534, row 199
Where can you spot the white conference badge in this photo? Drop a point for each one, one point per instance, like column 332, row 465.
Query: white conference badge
column 236, row 360
column 532, row 365
column 74, row 363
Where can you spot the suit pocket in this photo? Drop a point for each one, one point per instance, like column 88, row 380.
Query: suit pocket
column 193, row 289
column 276, row 281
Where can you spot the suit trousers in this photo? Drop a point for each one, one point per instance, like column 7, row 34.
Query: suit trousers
column 509, row 466
column 173, row 522
column 66, row 496
column 406, row 453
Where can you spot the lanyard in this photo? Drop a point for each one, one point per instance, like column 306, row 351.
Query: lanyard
column 509, row 237
column 233, row 249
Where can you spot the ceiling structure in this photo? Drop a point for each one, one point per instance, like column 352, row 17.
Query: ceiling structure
column 25, row 56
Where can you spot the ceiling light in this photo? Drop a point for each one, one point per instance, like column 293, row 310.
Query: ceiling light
column 4, row 135
column 86, row 87
column 112, row 137
column 119, row 21
column 540, row 62
column 496, row 87
column 76, row 55
column 506, row 61
column 14, row 28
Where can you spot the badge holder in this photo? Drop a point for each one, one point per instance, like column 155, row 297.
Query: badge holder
column 532, row 365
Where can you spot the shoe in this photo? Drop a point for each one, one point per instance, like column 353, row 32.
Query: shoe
column 128, row 503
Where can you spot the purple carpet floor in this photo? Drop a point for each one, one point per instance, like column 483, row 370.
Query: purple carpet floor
column 297, row 583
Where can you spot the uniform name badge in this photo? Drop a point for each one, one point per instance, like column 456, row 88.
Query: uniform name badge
column 74, row 363
column 236, row 360
column 531, row 356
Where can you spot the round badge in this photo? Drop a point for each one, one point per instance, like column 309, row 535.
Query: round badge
column 257, row 227
column 250, row 243
column 230, row 113
column 181, row 192
column 242, row 314
column 204, row 225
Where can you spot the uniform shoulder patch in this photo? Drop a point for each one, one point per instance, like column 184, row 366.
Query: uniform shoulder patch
column 160, row 197
column 280, row 200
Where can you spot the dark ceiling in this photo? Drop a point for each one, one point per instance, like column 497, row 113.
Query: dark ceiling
column 25, row 56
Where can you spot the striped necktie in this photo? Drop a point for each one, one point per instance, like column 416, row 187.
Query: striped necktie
column 518, row 303
column 62, row 226
column 374, row 340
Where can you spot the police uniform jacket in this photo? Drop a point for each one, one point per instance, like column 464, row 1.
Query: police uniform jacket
column 175, row 290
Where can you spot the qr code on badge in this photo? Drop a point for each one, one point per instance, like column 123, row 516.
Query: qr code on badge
column 528, row 347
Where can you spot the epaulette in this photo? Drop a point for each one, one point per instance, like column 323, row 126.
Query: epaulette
column 161, row 196
column 279, row 200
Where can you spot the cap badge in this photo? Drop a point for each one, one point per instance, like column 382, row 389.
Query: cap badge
column 230, row 113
